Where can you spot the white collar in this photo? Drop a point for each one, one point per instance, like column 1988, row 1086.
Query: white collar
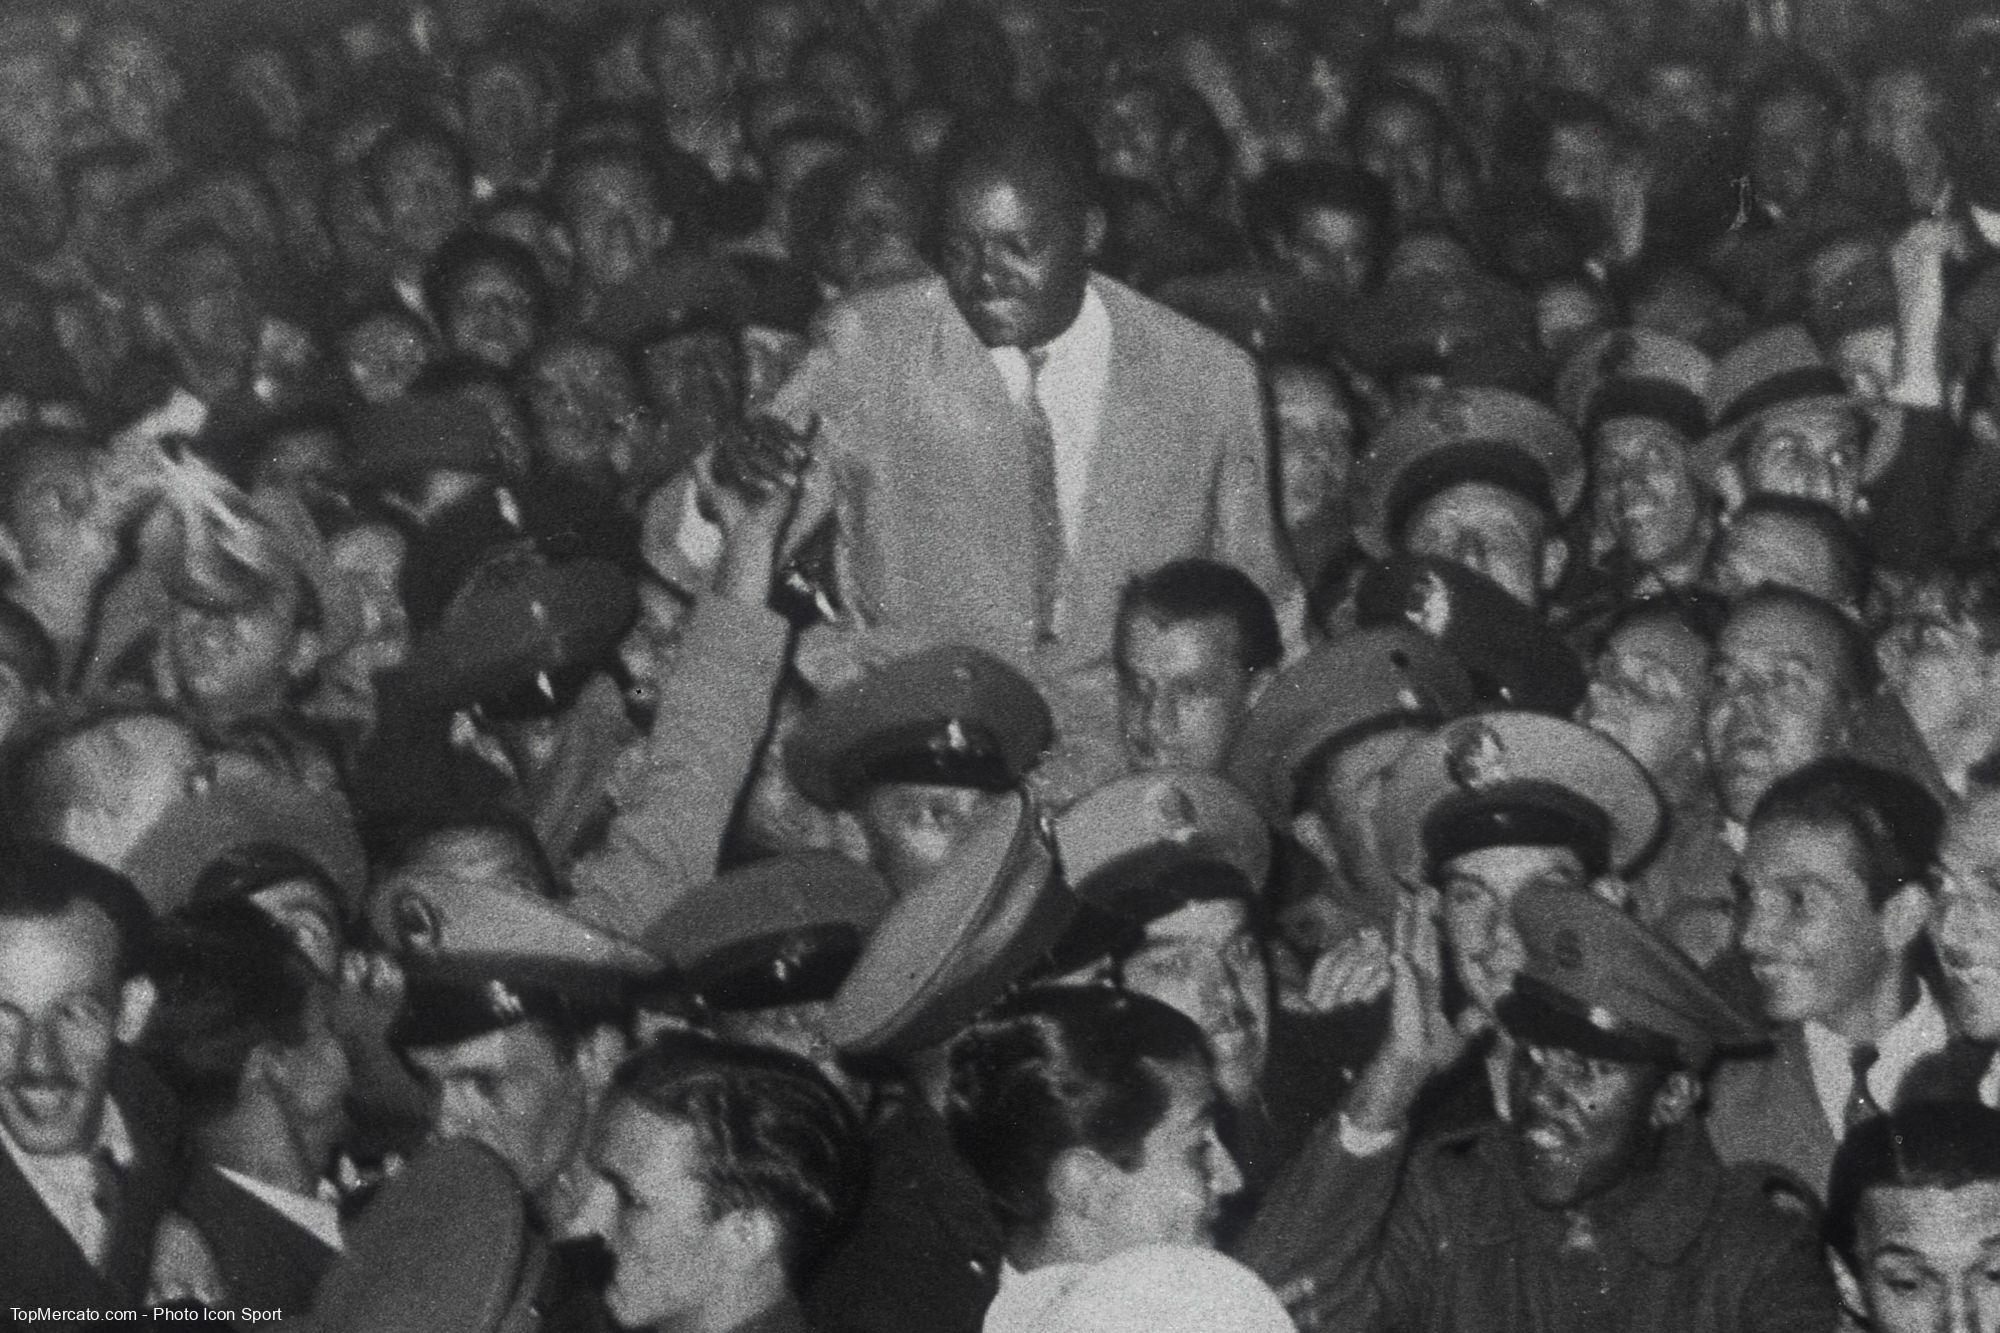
column 1080, row 352
column 317, row 1213
column 1985, row 221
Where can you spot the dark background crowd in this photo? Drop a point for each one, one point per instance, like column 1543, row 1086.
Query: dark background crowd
column 1001, row 664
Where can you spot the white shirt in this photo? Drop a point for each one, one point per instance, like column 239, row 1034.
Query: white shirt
column 67, row 1182
column 1151, row 1289
column 1918, row 1033
column 1075, row 369
column 318, row 1214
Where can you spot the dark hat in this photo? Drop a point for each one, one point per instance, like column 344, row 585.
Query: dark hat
column 1636, row 372
column 247, row 806
column 1505, row 779
column 1271, row 314
column 482, row 953
column 1778, row 370
column 955, row 943
column 1146, row 844
column 1342, row 688
column 1599, row 982
column 949, row 715
column 1458, row 435
column 1510, row 654
column 520, row 621
column 780, row 931
column 1467, row 326
column 444, row 1248
column 424, row 432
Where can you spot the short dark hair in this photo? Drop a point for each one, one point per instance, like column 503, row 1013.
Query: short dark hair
column 1855, row 656
column 229, row 981
column 1197, row 589
column 40, row 881
column 1926, row 1145
column 1277, row 201
column 1851, row 565
column 1019, row 140
column 775, row 1135
column 1057, row 1068
column 1895, row 823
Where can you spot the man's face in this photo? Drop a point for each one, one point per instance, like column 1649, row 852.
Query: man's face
column 490, row 317
column 1929, row 1258
column 140, row 766
column 370, row 558
column 1479, row 890
column 1132, row 137
column 135, row 85
column 65, row 516
column 384, row 357
column 1779, row 550
column 238, row 661
column 1205, row 961
column 1582, row 1124
column 1647, row 501
column 1333, row 246
column 1779, row 701
column 585, row 407
column 422, row 197
column 1647, row 692
column 1965, row 916
column 1788, row 141
column 513, row 1090
column 213, row 317
column 1182, row 692
column 1314, row 432
column 912, row 827
column 1015, row 256
column 1489, row 530
column 689, row 63
column 1399, row 143
column 1579, row 167
column 1936, row 660
column 1813, row 452
column 1174, row 1195
column 612, row 222
column 59, row 1012
column 660, row 1224
column 1816, row 947
column 506, row 119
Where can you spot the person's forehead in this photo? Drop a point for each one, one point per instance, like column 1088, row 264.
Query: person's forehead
column 1664, row 643
column 644, row 1147
column 1779, row 630
column 1196, row 642
column 1933, row 1222
column 1498, row 867
column 160, row 738
column 73, row 952
column 1007, row 193
column 1818, row 423
column 520, row 1050
column 1477, row 504
column 373, row 547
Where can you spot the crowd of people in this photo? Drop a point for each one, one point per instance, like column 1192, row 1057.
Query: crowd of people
column 873, row 665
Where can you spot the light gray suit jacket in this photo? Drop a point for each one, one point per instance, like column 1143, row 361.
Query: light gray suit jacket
column 929, row 475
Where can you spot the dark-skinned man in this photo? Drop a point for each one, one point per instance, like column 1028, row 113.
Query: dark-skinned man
column 1599, row 1205
column 1010, row 442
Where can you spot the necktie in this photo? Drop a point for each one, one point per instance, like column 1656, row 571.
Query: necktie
column 1861, row 1104
column 107, row 1195
column 1044, row 504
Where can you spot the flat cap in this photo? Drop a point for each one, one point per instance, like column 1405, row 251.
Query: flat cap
column 1516, row 779
column 482, row 952
column 956, row 942
column 1144, row 845
column 785, row 930
column 1456, row 435
column 949, row 715
column 1778, row 370
column 1341, row 688
column 1510, row 654
column 1636, row 372
column 1599, row 982
column 444, row 1248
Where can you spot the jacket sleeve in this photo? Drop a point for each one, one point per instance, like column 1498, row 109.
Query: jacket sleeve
column 1908, row 522
column 1332, row 1239
column 673, row 800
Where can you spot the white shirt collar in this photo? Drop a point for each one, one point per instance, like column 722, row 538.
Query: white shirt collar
column 1920, row 1032
column 67, row 1182
column 318, row 1213
column 1985, row 221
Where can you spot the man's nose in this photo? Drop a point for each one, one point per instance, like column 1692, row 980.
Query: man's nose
column 1225, row 1176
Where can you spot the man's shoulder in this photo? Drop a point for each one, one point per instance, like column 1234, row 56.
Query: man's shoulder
column 1168, row 329
column 914, row 303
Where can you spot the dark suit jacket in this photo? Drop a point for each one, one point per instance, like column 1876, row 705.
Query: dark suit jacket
column 929, row 469
column 39, row 1262
column 267, row 1261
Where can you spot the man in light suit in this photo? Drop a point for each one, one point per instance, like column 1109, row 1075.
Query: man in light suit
column 85, row 1134
column 1006, row 446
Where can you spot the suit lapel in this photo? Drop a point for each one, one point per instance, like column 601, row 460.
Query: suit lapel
column 39, row 1260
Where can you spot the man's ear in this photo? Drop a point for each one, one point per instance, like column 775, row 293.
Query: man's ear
column 136, row 998
column 1555, row 560
column 1095, row 227
column 1676, row 1099
column 1851, row 1299
column 1904, row 916
column 1259, row 682
column 753, row 1235
column 598, row 1056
